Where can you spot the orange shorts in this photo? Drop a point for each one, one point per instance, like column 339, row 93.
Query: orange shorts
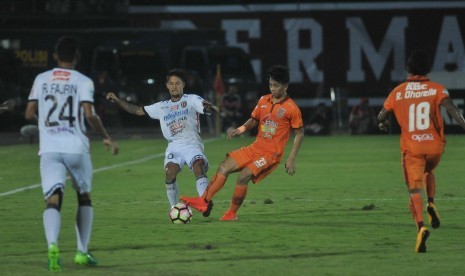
column 260, row 163
column 416, row 165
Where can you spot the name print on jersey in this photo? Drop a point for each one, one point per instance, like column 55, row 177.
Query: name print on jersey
column 56, row 88
column 415, row 90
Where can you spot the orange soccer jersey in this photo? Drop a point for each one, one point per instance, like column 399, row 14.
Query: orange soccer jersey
column 274, row 128
column 275, row 123
column 416, row 105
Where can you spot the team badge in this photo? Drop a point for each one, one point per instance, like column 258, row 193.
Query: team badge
column 280, row 112
column 183, row 104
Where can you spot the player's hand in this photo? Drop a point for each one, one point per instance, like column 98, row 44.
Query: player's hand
column 290, row 166
column 232, row 131
column 208, row 106
column 384, row 126
column 110, row 144
column 111, row 97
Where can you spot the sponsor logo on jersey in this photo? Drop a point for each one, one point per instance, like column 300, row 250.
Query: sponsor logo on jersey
column 423, row 137
column 268, row 128
column 176, row 128
column 416, row 86
column 174, row 115
column 59, row 129
column 61, row 75
column 174, row 107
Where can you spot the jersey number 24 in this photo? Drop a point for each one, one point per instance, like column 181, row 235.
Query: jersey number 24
column 67, row 106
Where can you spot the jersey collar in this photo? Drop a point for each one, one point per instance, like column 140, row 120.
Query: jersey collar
column 418, row 78
column 270, row 99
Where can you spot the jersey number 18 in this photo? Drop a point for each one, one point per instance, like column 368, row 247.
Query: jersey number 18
column 418, row 117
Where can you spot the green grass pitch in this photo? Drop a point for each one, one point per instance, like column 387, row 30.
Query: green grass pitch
column 344, row 212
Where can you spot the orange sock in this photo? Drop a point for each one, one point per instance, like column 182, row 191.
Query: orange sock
column 412, row 210
column 238, row 197
column 416, row 207
column 216, row 183
column 430, row 185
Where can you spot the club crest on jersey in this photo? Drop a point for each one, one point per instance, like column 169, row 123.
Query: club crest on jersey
column 280, row 112
column 183, row 104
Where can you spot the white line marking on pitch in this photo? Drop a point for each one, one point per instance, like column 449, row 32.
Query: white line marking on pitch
column 99, row 170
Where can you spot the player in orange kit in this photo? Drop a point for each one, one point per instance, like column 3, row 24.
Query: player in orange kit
column 416, row 105
column 275, row 115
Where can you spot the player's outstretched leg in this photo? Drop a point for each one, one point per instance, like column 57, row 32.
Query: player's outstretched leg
column 54, row 262
column 433, row 215
column 422, row 236
column 198, row 203
column 85, row 259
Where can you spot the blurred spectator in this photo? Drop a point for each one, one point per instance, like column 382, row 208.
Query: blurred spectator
column 7, row 106
column 108, row 112
column 231, row 105
column 362, row 118
column 319, row 122
column 194, row 84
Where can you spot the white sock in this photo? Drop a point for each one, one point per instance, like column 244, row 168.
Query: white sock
column 83, row 226
column 172, row 193
column 202, row 184
column 52, row 223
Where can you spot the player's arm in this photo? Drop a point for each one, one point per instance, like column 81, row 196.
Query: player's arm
column 128, row 107
column 453, row 111
column 94, row 121
column 249, row 124
column 382, row 119
column 290, row 162
column 30, row 114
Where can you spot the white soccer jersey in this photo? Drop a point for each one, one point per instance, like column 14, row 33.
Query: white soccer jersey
column 179, row 120
column 59, row 93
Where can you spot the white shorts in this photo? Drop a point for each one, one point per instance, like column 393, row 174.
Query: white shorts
column 184, row 155
column 53, row 169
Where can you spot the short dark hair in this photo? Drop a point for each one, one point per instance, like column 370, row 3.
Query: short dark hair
column 279, row 73
column 419, row 63
column 178, row 73
column 66, row 48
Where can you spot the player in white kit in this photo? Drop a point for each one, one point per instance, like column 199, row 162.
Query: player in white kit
column 179, row 121
column 59, row 101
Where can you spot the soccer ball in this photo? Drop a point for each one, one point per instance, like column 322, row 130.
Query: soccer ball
column 180, row 214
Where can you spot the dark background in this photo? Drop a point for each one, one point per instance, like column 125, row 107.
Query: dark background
column 29, row 16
